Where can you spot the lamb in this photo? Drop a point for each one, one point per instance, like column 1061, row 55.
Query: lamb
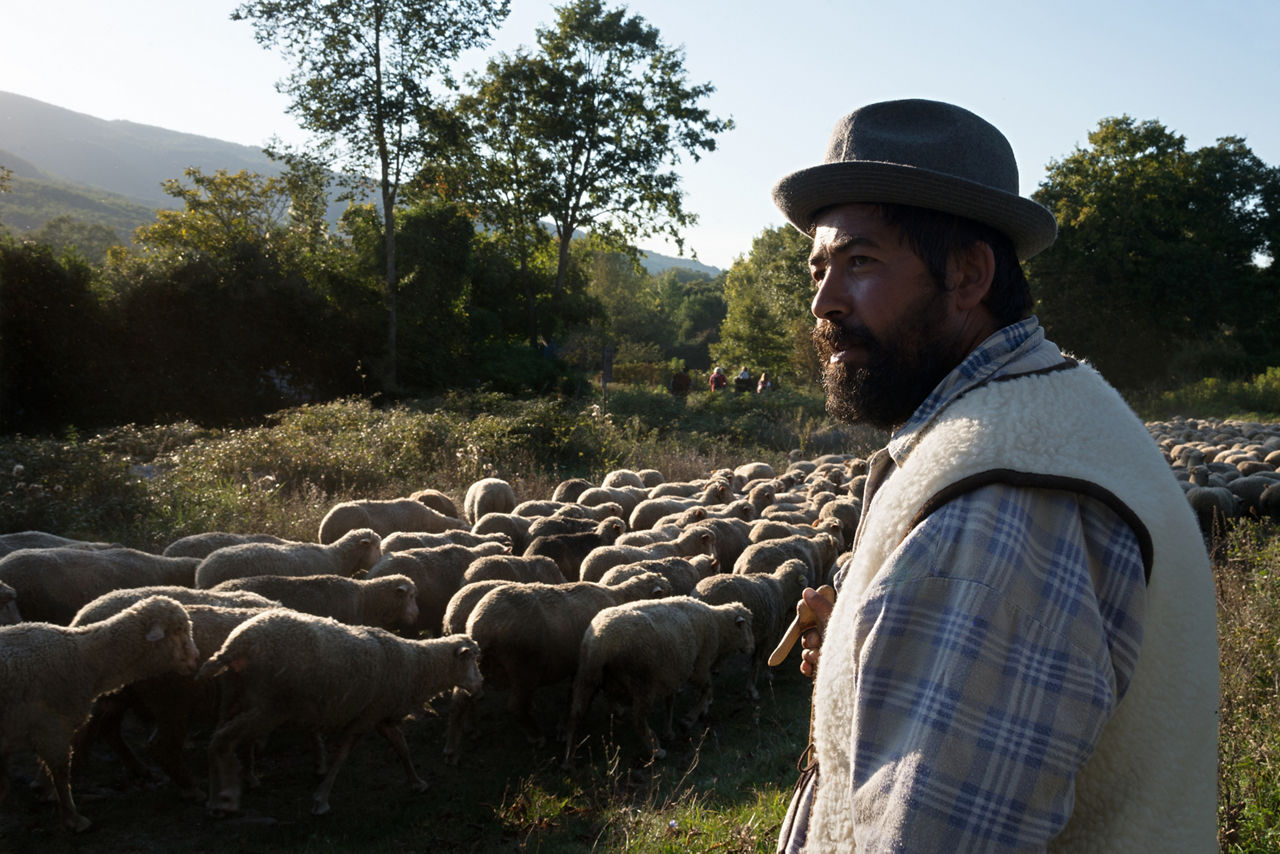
column 748, row 472
column 355, row 551
column 623, row 478
column 514, row 528
column 437, row 501
column 569, row 490
column 645, row 651
column 326, row 676
column 384, row 517
column 387, row 602
column 172, row 701
column 569, row 550
column 624, row 497
column 463, row 602
column 649, row 511
column 771, row 598
column 110, row 604
column 401, row 540
column 436, row 573
column 50, row 675
column 818, row 552
column 526, row 568
column 488, row 495
column 54, row 583
column 692, row 541
column 683, row 574
column 544, row 525
column 529, row 636
column 42, row 540
column 202, row 545
column 8, row 605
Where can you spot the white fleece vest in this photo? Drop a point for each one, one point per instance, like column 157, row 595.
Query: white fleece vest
column 1150, row 785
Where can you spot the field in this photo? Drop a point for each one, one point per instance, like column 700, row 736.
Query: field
column 723, row 786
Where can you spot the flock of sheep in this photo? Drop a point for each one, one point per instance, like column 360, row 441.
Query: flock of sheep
column 634, row 588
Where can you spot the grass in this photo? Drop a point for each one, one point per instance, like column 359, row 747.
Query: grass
column 723, row 787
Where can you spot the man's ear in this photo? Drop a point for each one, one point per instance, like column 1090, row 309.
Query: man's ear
column 970, row 272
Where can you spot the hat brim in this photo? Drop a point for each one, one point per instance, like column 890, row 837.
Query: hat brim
column 802, row 194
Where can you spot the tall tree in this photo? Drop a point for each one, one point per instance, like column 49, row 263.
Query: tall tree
column 1154, row 275
column 363, row 85
column 602, row 113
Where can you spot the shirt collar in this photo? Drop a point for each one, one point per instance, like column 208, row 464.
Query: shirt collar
column 1010, row 345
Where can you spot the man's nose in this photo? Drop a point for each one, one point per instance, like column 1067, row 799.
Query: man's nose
column 831, row 301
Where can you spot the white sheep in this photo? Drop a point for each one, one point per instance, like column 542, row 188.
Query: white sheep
column 202, row 545
column 43, row 540
column 818, row 552
column 50, row 675
column 642, row 652
column 692, row 541
column 53, row 583
column 355, row 551
column 110, row 604
column 521, row 568
column 683, row 573
column 529, row 636
column 771, row 597
column 402, row 540
column 436, row 574
column 514, row 528
column 388, row 602
column 384, row 517
column 569, row 550
column 8, row 605
column 464, row 601
column 438, row 501
column 487, row 495
column 649, row 511
column 327, row 677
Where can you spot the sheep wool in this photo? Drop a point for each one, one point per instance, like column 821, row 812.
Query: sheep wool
column 1151, row 782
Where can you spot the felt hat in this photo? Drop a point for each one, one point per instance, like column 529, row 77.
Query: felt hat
column 923, row 153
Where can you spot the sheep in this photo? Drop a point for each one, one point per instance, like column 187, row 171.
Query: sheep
column 354, row 551
column 529, row 636
column 818, row 552
column 569, row 550
column 202, row 545
column 326, row 676
column 692, row 541
column 437, row 501
column 771, row 598
column 649, row 511
column 683, row 574
column 436, row 573
column 42, row 540
column 538, row 508
column 50, row 675
column 650, row 477
column 54, row 583
column 525, row 568
column 514, row 528
column 464, row 601
column 645, row 651
column 543, row 525
column 625, row 498
column 387, row 602
column 1213, row 506
column 488, row 495
column 569, row 490
column 8, row 605
column 623, row 478
column 401, row 540
column 171, row 701
column 116, row 601
column 748, row 472
column 384, row 517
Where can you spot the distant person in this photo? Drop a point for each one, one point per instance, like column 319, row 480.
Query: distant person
column 742, row 382
column 764, row 384
column 718, row 380
column 680, row 383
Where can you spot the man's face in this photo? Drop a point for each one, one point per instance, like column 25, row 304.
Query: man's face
column 886, row 333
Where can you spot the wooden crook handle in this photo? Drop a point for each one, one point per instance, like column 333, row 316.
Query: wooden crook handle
column 804, row 620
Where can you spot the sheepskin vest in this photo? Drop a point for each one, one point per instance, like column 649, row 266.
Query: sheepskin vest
column 1150, row 784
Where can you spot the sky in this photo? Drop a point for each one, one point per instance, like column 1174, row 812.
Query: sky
column 1045, row 73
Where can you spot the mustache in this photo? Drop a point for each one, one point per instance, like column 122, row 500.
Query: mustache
column 831, row 337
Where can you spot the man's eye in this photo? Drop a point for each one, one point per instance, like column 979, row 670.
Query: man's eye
column 859, row 260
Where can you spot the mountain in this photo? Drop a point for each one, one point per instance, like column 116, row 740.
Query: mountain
column 109, row 172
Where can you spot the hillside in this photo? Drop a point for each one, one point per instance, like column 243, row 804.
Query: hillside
column 104, row 172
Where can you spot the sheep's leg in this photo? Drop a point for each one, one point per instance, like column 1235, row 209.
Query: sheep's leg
column 224, row 764
column 321, row 754
column 461, row 710
column 171, row 735
column 392, row 733
column 521, row 706
column 320, row 800
column 60, row 771
column 640, row 710
column 701, row 705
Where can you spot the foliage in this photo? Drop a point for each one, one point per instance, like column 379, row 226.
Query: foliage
column 66, row 234
column 601, row 112
column 1254, row 399
column 363, row 85
column 767, row 321
column 1153, row 276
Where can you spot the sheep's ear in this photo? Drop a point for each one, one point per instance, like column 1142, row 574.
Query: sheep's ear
column 155, row 633
column 465, row 652
column 739, row 620
column 405, row 589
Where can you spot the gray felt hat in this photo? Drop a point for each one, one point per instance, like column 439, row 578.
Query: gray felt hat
column 923, row 153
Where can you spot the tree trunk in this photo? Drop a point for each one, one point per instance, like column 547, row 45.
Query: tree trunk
column 389, row 242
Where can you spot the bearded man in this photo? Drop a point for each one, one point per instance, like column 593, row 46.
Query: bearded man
column 1022, row 653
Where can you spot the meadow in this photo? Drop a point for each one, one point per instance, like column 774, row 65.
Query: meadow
column 722, row 787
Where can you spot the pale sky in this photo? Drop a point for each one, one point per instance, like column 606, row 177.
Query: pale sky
column 1045, row 73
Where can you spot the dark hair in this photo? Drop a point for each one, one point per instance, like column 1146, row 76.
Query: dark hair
column 934, row 235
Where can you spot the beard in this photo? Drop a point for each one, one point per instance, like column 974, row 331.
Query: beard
column 898, row 374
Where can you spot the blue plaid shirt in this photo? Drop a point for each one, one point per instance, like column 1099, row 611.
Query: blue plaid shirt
column 989, row 669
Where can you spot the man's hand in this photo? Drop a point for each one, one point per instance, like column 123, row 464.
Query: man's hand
column 812, row 613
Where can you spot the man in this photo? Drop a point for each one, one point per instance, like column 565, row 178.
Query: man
column 1022, row 654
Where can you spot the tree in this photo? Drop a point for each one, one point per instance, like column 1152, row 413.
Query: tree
column 1154, row 274
column 593, row 124
column 767, row 322
column 362, row 85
